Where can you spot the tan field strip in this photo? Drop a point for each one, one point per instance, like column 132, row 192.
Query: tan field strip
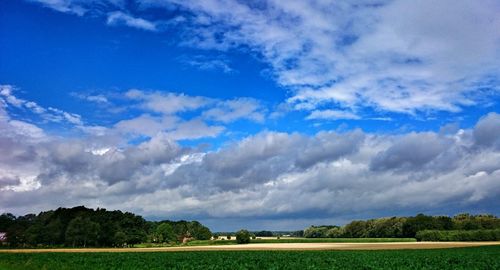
column 273, row 246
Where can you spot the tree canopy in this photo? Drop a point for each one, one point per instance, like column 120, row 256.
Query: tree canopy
column 82, row 227
column 397, row 227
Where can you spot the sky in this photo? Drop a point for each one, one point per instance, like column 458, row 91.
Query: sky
column 251, row 114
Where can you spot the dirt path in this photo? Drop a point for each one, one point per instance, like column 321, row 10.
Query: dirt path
column 274, row 246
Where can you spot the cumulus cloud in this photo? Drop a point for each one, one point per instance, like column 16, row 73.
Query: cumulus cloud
column 329, row 175
column 6, row 181
column 147, row 125
column 412, row 151
column 487, row 131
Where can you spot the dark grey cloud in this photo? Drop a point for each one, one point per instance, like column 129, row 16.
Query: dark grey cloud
column 487, row 131
column 264, row 157
column 329, row 146
column 411, row 152
column 9, row 181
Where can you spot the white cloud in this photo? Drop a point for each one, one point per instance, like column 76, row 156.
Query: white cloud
column 97, row 98
column 194, row 129
column 232, row 110
column 47, row 114
column 331, row 115
column 6, row 92
column 398, row 56
column 167, row 103
column 147, row 125
column 67, row 6
column 118, row 17
column 224, row 111
column 207, row 63
column 27, row 130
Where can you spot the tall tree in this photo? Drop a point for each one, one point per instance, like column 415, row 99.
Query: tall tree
column 82, row 231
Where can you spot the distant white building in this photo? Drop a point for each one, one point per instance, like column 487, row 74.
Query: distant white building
column 3, row 237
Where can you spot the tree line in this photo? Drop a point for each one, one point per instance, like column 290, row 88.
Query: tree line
column 85, row 227
column 401, row 227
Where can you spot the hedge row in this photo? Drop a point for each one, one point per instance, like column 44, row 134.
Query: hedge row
column 455, row 235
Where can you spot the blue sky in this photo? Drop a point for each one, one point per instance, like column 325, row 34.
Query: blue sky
column 182, row 108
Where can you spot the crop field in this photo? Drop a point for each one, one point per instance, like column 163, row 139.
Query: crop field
column 486, row 257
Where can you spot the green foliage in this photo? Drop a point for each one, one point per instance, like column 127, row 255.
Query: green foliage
column 178, row 230
column 356, row 229
column 6, row 220
column 165, row 233
column 456, row 258
column 198, row 231
column 317, row 231
column 475, row 222
column 404, row 226
column 82, row 232
column 459, row 235
column 335, row 232
column 243, row 237
column 120, row 239
column 422, row 222
column 81, row 226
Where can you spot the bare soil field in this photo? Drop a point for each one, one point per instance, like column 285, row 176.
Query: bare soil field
column 273, row 246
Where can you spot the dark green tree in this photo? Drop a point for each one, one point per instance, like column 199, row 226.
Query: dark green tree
column 119, row 239
column 165, row 233
column 82, row 231
column 356, row 229
column 6, row 220
column 243, row 237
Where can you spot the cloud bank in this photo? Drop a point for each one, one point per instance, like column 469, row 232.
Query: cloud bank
column 269, row 175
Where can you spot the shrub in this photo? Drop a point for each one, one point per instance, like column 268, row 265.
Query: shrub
column 458, row 235
column 243, row 237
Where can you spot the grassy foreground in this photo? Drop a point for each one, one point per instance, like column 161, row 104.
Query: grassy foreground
column 487, row 257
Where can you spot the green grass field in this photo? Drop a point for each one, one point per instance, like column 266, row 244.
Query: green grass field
column 302, row 240
column 283, row 240
column 487, row 257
